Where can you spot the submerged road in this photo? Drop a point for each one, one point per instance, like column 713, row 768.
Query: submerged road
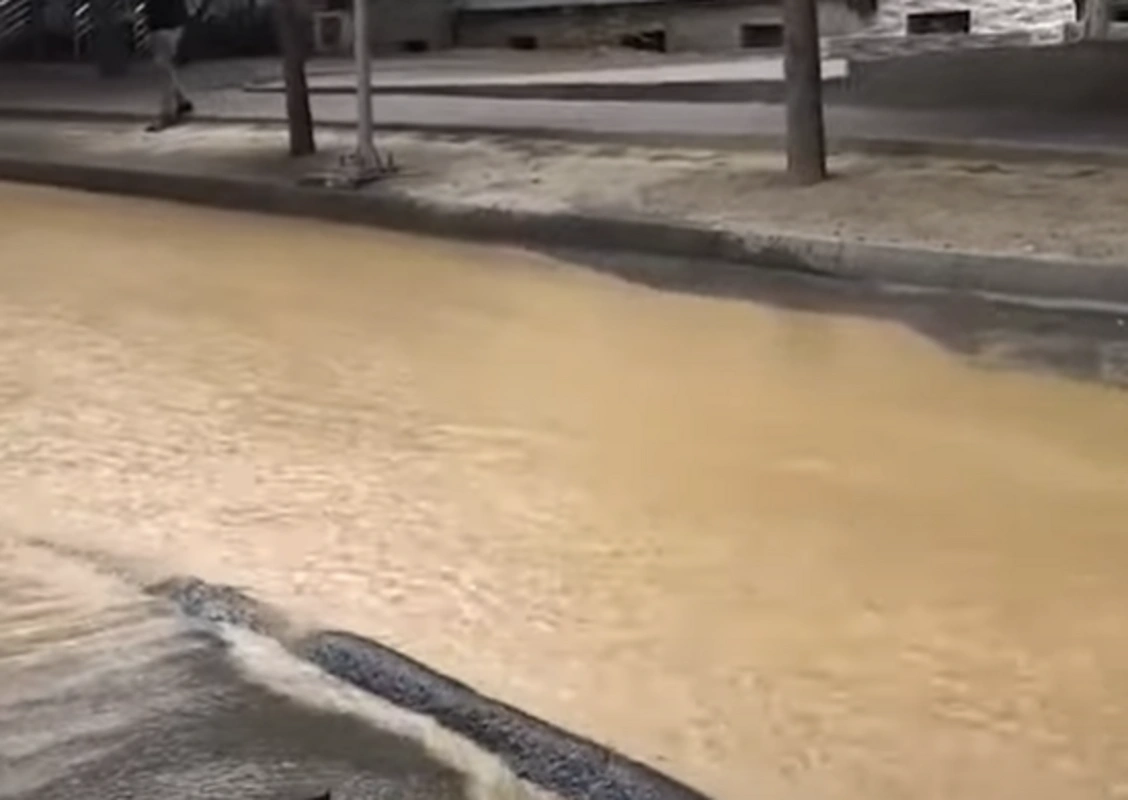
column 105, row 692
column 804, row 543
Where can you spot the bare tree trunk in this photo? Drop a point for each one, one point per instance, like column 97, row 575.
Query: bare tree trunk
column 293, row 41
column 802, row 66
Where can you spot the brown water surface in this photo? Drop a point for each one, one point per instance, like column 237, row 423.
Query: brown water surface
column 777, row 554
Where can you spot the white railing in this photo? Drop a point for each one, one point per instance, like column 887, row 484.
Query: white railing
column 140, row 21
column 83, row 27
column 15, row 20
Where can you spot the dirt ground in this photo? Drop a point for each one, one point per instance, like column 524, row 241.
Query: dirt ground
column 1047, row 208
column 1064, row 209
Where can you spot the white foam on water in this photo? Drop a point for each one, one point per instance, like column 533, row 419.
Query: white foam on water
column 84, row 658
column 265, row 661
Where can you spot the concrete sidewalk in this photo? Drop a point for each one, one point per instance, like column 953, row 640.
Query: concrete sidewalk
column 1050, row 231
column 1067, row 81
column 69, row 93
column 719, row 79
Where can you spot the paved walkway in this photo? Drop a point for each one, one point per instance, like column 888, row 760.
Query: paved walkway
column 731, row 70
column 219, row 96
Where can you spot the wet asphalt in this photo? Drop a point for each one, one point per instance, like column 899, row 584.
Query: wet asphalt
column 129, row 699
column 234, row 739
column 151, row 692
column 1079, row 341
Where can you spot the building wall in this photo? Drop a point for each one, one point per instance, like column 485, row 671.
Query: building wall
column 720, row 28
column 717, row 27
column 394, row 23
column 710, row 25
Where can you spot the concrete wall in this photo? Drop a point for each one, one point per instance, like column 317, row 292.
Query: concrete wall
column 393, row 23
column 688, row 28
column 719, row 28
column 713, row 25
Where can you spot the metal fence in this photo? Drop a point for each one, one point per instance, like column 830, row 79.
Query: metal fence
column 57, row 30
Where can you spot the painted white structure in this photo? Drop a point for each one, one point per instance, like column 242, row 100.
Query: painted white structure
column 1044, row 20
column 991, row 23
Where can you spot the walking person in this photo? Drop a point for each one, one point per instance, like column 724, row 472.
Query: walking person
column 167, row 19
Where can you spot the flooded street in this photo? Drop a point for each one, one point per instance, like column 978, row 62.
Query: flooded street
column 773, row 552
column 104, row 692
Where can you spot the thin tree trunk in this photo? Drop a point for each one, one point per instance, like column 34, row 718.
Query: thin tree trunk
column 802, row 65
column 293, row 41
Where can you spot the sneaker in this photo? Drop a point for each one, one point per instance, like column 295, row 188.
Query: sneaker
column 160, row 124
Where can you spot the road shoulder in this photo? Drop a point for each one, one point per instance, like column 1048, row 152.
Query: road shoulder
column 1043, row 230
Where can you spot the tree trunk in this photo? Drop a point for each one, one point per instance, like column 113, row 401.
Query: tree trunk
column 802, row 66
column 294, row 42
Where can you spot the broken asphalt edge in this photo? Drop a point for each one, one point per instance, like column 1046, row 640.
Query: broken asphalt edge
column 979, row 149
column 535, row 750
column 714, row 251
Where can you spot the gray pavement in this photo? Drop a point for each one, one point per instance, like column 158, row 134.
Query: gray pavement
column 730, row 70
column 220, row 97
column 721, row 78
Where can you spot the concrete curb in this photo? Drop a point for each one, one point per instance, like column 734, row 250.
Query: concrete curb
column 535, row 750
column 709, row 253
column 971, row 149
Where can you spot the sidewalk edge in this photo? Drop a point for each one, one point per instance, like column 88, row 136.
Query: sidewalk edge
column 1041, row 278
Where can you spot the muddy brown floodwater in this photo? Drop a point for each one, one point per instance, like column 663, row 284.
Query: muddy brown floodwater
column 777, row 554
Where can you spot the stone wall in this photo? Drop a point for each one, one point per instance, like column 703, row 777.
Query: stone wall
column 716, row 27
column 1042, row 18
column 993, row 23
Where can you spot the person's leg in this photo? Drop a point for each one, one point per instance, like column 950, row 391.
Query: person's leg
column 183, row 104
column 162, row 43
